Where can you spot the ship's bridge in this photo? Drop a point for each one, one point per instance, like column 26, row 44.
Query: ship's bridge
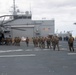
column 26, row 15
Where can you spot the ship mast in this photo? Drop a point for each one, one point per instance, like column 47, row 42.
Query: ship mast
column 14, row 9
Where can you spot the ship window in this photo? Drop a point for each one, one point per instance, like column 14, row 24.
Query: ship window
column 22, row 17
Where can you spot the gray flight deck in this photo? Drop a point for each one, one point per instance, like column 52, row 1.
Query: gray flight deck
column 23, row 60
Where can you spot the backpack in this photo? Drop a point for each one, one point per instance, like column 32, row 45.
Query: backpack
column 71, row 39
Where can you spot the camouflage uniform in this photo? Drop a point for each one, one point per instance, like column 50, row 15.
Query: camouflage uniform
column 33, row 41
column 17, row 41
column 48, row 41
column 39, row 42
column 42, row 42
column 36, row 41
column 55, row 42
column 27, row 41
column 70, row 43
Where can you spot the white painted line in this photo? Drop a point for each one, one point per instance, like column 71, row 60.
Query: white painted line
column 10, row 51
column 46, row 49
column 71, row 53
column 64, row 49
column 28, row 50
column 37, row 49
column 27, row 55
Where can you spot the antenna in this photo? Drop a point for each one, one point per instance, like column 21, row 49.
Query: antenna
column 14, row 8
column 30, row 8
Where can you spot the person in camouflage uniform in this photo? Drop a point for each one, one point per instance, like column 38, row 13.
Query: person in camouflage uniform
column 42, row 42
column 70, row 43
column 48, row 41
column 27, row 41
column 36, row 41
column 39, row 42
column 17, row 41
column 33, row 41
column 55, row 42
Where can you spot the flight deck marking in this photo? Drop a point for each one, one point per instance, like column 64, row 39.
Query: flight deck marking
column 10, row 56
column 71, row 53
column 1, row 51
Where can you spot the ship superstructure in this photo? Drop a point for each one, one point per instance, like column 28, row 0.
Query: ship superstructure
column 22, row 25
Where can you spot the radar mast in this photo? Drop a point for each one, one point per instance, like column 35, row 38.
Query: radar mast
column 14, row 8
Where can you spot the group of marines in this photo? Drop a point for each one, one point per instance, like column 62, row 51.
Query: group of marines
column 11, row 41
column 42, row 42
column 52, row 42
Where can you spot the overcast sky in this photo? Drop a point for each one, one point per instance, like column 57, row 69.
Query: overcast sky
column 62, row 11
